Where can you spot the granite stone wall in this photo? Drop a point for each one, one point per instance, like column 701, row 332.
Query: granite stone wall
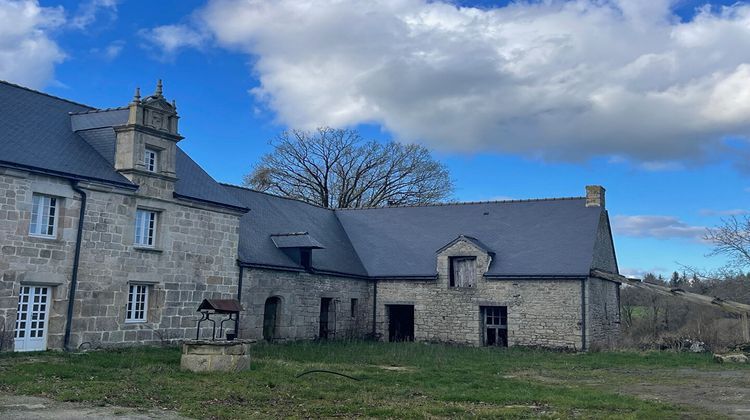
column 300, row 294
column 194, row 258
column 603, row 313
column 540, row 312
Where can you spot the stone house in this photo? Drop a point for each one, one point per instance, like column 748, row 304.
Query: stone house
column 111, row 235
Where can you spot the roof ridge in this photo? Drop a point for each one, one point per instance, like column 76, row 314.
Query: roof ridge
column 96, row 110
column 240, row 187
column 465, row 203
column 45, row 94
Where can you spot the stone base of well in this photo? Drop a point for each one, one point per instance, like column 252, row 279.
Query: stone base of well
column 215, row 356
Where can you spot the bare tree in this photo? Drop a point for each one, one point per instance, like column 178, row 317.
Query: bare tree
column 732, row 239
column 338, row 168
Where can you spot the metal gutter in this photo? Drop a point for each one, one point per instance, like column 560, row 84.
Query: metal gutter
column 67, row 175
column 76, row 261
column 215, row 203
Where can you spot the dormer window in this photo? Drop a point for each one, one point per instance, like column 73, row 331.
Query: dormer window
column 463, row 271
column 151, row 160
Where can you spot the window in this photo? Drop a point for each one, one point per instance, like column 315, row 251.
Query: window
column 137, row 303
column 145, row 228
column 43, row 216
column 463, row 271
column 495, row 319
column 354, row 307
column 305, row 256
column 151, row 160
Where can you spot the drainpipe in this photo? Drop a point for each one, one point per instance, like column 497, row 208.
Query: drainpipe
column 76, row 260
column 583, row 314
column 374, row 307
column 239, row 299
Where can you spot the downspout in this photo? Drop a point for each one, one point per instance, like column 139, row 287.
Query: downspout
column 374, row 307
column 239, row 299
column 76, row 261
column 583, row 315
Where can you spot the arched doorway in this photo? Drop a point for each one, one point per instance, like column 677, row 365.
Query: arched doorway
column 270, row 317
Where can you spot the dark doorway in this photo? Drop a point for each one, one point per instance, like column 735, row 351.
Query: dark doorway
column 327, row 318
column 495, row 325
column 400, row 322
column 270, row 317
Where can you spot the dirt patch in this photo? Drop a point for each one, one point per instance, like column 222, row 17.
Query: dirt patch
column 397, row 368
column 722, row 391
column 16, row 407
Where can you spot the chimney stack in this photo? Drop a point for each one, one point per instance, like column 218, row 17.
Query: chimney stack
column 595, row 196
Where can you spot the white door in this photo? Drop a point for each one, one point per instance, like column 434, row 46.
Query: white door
column 31, row 323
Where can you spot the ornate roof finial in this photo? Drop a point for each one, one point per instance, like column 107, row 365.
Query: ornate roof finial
column 137, row 96
column 174, row 104
column 158, row 88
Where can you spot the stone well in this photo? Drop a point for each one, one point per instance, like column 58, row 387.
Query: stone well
column 216, row 356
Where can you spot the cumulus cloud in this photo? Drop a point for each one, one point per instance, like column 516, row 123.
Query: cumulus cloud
column 172, row 38
column 556, row 79
column 659, row 227
column 27, row 52
column 89, row 10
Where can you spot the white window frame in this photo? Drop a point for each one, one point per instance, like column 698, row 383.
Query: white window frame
column 44, row 209
column 151, row 159
column 137, row 295
column 146, row 223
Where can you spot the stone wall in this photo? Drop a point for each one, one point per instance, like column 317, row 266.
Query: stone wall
column 300, row 294
column 603, row 314
column 194, row 258
column 540, row 312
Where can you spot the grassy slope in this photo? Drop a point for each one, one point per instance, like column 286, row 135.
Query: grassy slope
column 431, row 380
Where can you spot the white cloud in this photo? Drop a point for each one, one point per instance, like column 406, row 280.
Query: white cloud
column 27, row 52
column 560, row 80
column 172, row 38
column 111, row 51
column 87, row 12
column 730, row 212
column 641, row 272
column 659, row 227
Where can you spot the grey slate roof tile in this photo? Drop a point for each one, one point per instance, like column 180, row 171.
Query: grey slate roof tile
column 36, row 133
column 528, row 238
column 39, row 131
column 270, row 215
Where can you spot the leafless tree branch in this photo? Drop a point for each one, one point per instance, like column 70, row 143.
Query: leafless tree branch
column 338, row 168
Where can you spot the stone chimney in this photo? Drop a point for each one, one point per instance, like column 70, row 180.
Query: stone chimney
column 594, row 196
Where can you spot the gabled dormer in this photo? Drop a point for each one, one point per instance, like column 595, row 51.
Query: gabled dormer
column 462, row 262
column 146, row 144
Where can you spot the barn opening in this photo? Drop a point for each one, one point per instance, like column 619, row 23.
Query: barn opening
column 270, row 317
column 327, row 318
column 400, row 322
column 495, row 325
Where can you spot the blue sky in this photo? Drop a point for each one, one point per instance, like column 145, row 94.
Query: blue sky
column 650, row 98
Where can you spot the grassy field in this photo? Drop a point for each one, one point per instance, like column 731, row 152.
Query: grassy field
column 396, row 380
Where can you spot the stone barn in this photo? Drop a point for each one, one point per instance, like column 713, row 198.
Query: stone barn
column 110, row 234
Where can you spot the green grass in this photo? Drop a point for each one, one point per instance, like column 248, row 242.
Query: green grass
column 397, row 380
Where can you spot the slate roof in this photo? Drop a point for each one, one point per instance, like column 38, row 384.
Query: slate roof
column 271, row 215
column 533, row 238
column 36, row 134
column 50, row 134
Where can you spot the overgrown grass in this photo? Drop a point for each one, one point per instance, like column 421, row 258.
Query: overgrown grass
column 396, row 380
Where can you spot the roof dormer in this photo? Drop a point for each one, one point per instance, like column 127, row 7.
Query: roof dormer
column 146, row 144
